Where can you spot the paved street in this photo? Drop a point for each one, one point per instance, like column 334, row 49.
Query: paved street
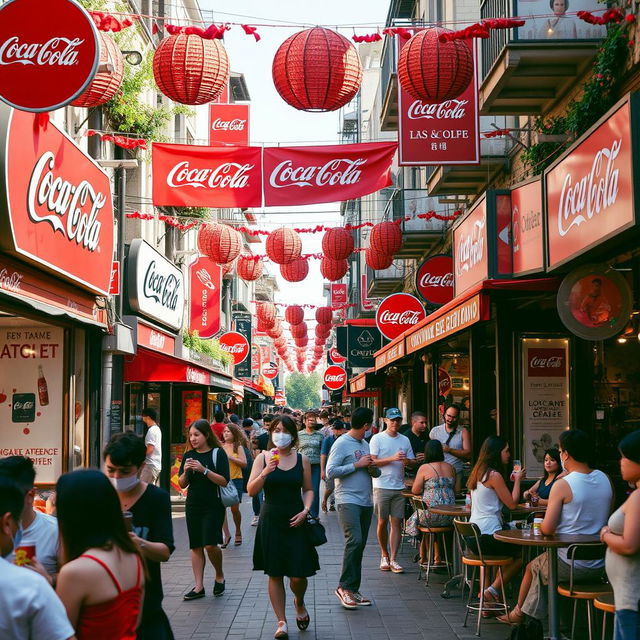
column 403, row 609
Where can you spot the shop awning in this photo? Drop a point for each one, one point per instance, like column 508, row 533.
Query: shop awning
column 253, row 394
column 363, row 385
column 238, row 388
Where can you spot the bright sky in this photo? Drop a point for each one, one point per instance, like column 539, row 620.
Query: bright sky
column 272, row 120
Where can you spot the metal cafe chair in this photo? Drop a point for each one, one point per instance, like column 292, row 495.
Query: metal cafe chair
column 432, row 534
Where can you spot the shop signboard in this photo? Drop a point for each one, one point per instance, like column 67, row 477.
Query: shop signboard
column 229, row 124
column 363, row 342
column 365, row 303
column 335, row 356
column 31, row 395
column 338, row 294
column 470, row 249
column 270, row 370
column 206, row 288
column 545, row 398
column 236, row 345
column 242, row 325
column 46, row 61
column 397, row 313
column 114, row 283
column 390, row 353
column 56, row 209
column 590, row 189
column 434, row 280
column 154, row 339
column 334, row 378
column 156, row 286
column 526, row 228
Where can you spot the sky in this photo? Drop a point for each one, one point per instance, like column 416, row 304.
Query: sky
column 272, row 120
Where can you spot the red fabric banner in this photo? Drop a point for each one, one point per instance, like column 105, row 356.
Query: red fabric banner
column 198, row 176
column 310, row 175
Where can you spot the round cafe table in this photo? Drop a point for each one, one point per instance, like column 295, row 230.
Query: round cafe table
column 527, row 538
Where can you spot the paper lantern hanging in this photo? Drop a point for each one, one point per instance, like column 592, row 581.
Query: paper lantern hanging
column 266, row 312
column 295, row 271
column 323, row 331
column 299, row 329
column 219, row 242
column 301, row 341
column 434, row 71
column 190, row 69
column 283, row 245
column 229, row 267
column 333, row 270
column 105, row 84
column 324, row 315
column 337, row 243
column 317, row 70
column 294, row 314
column 249, row 268
column 377, row 261
column 386, row 237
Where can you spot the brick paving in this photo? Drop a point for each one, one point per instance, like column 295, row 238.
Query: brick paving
column 403, row 609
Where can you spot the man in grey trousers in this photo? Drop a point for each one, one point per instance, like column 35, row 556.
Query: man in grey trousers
column 351, row 466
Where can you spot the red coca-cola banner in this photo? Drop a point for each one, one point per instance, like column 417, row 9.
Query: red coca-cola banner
column 470, row 249
column 206, row 288
column 589, row 190
column 194, row 176
column 445, row 133
column 310, row 175
column 397, row 313
column 229, row 124
column 434, row 279
column 526, row 228
column 56, row 204
column 335, row 378
column 547, row 363
column 338, row 294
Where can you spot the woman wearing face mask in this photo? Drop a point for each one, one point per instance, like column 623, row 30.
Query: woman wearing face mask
column 204, row 469
column 151, row 526
column 282, row 546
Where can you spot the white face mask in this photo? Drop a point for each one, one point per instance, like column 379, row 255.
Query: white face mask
column 281, row 439
column 122, row 485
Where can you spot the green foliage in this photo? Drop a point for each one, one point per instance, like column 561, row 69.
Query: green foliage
column 211, row 347
column 303, row 391
column 201, row 213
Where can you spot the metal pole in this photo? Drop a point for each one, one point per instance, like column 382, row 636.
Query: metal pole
column 122, row 187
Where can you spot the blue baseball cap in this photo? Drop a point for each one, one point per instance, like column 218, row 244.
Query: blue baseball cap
column 393, row 413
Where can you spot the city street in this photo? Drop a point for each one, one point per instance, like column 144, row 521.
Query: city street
column 402, row 608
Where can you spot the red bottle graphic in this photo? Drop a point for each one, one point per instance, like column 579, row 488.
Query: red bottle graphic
column 43, row 390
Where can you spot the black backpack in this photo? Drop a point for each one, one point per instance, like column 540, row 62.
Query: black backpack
column 530, row 629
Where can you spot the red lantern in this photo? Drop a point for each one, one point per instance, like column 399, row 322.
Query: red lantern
column 266, row 312
column 229, row 267
column 386, row 238
column 298, row 330
column 337, row 243
column 434, row 71
column 377, row 261
column 249, row 268
column 295, row 271
column 283, row 245
column 333, row 270
column 280, row 342
column 323, row 331
column 294, row 314
column 190, row 69
column 219, row 242
column 105, row 84
column 317, row 70
column 301, row 341
column 324, row 315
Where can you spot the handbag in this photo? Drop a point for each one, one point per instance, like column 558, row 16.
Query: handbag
column 315, row 531
column 229, row 494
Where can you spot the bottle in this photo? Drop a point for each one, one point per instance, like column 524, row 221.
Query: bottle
column 43, row 389
column 467, row 501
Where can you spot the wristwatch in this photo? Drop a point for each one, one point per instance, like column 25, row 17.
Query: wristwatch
column 206, row 470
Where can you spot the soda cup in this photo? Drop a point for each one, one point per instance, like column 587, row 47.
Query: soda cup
column 128, row 520
column 537, row 524
column 24, row 554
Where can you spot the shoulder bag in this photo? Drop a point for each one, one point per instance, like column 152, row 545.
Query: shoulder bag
column 315, row 531
column 228, row 495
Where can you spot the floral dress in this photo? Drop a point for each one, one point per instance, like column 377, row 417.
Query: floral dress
column 436, row 491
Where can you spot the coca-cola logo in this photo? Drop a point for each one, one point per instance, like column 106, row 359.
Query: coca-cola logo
column 336, row 356
column 195, row 376
column 470, row 247
column 24, row 406
column 10, row 281
column 236, row 345
column 397, row 313
column 236, row 124
column 157, row 339
column 335, row 378
column 448, row 110
column 62, row 52
column 163, row 288
column 270, row 371
column 547, row 362
column 336, row 172
column 434, row 279
column 228, row 175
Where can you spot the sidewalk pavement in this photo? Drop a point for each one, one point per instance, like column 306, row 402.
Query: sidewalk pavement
column 403, row 609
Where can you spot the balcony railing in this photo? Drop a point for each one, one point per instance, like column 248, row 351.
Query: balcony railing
column 386, row 281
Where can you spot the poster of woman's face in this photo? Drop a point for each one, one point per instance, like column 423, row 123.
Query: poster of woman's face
column 557, row 20
column 595, row 301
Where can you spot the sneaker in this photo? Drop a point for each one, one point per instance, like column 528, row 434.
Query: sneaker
column 346, row 598
column 254, row 522
column 395, row 567
column 384, row 564
column 218, row 588
column 361, row 601
column 193, row 595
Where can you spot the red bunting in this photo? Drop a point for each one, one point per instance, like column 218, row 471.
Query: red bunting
column 108, row 22
column 369, row 37
column 497, row 133
column 172, row 222
column 120, row 141
column 405, row 34
column 481, row 29
column 212, row 32
column 251, row 31
column 615, row 15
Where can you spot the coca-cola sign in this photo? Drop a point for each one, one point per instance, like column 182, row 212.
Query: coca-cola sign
column 155, row 285
column 58, row 200
column 205, row 298
column 229, row 124
column 335, row 378
column 526, row 228
column 339, row 294
column 547, row 363
column 397, row 313
column 435, row 134
column 336, row 356
column 236, row 345
column 197, row 176
column 45, row 61
column 434, row 279
column 589, row 190
column 152, row 338
column 470, row 247
column 270, row 370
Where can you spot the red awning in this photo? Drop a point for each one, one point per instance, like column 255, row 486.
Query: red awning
column 148, row 366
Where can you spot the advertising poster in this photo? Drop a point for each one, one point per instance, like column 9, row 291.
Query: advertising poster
column 545, row 398
column 558, row 23
column 31, row 396
column 242, row 324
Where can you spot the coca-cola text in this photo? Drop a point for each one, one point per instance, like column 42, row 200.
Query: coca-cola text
column 229, row 125
column 164, row 289
column 428, row 280
column 470, row 248
column 408, row 317
column 229, row 175
column 340, row 171
column 552, row 362
column 61, row 52
column 450, row 109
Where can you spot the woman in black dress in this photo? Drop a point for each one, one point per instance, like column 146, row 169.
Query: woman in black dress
column 204, row 469
column 282, row 546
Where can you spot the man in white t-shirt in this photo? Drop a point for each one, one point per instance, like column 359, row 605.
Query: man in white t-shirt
column 153, row 440
column 29, row 607
column 390, row 451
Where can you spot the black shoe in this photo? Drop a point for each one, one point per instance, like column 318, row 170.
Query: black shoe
column 194, row 595
column 218, row 588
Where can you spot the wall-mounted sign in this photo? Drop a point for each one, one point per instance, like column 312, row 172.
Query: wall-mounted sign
column 335, row 378
column 206, row 288
column 338, row 294
column 390, row 353
column 155, row 285
column 336, row 356
column 114, row 284
column 397, row 313
column 365, row 303
column 229, row 124
column 590, row 189
column 470, row 249
column 526, row 228
column 154, row 339
column 46, row 61
column 56, row 204
column 594, row 302
column 242, row 324
column 434, row 280
column 236, row 345
column 363, row 342
column 270, row 370
column 444, row 382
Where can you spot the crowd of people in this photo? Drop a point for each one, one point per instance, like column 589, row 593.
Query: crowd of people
column 91, row 569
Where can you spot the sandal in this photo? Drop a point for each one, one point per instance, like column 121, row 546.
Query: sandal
column 282, row 631
column 515, row 616
column 238, row 541
column 225, row 544
column 303, row 623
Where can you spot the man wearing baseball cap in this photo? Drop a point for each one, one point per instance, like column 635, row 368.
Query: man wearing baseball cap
column 390, row 451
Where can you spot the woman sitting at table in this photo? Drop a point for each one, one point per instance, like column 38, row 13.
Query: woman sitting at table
column 435, row 482
column 552, row 471
column 488, row 493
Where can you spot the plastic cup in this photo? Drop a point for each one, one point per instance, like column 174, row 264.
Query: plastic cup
column 128, row 520
column 25, row 553
column 537, row 523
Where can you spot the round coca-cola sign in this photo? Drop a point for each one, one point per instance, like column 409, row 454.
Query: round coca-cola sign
column 236, row 344
column 434, row 280
column 46, row 61
column 270, row 370
column 336, row 356
column 335, row 378
column 397, row 313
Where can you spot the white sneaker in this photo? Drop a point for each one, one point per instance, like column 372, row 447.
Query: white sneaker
column 384, row 564
column 395, row 567
column 254, row 522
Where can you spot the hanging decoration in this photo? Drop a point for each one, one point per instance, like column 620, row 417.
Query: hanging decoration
column 190, row 69
column 229, row 267
column 212, row 32
column 317, row 70
column 249, row 269
column 170, row 220
column 220, row 242
column 284, row 245
column 434, row 71
column 294, row 314
column 251, row 31
column 333, row 270
column 266, row 313
column 615, row 15
column 386, row 238
column 322, row 331
column 337, row 243
column 369, row 37
column 120, row 141
column 301, row 341
column 376, row 260
column 295, row 271
column 109, row 22
column 299, row 330
column 481, row 29
column 324, row 315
